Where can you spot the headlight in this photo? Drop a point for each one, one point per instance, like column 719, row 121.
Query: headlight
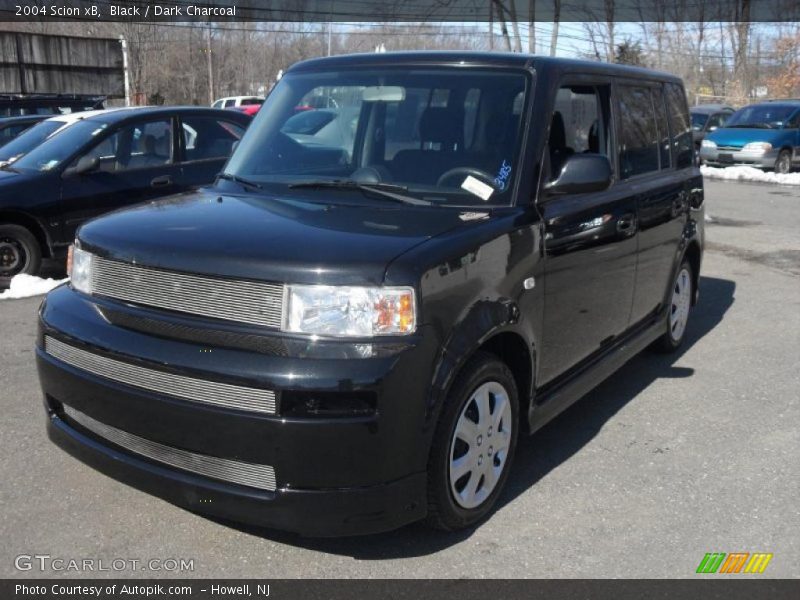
column 758, row 146
column 80, row 270
column 708, row 144
column 349, row 310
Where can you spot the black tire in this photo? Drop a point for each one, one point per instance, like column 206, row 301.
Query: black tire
column 669, row 342
column 19, row 252
column 444, row 512
column 783, row 164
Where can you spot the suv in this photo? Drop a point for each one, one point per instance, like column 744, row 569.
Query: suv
column 765, row 135
column 348, row 334
column 238, row 101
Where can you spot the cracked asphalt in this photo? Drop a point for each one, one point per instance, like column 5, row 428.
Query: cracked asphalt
column 670, row 458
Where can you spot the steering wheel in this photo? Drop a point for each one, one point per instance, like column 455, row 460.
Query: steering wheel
column 483, row 175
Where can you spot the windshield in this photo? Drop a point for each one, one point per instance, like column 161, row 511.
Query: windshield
column 698, row 121
column 445, row 135
column 29, row 139
column 762, row 116
column 56, row 149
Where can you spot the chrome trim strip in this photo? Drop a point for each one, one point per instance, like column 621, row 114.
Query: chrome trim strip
column 253, row 475
column 178, row 386
column 252, row 302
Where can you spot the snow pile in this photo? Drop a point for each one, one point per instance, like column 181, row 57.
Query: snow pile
column 750, row 174
column 24, row 286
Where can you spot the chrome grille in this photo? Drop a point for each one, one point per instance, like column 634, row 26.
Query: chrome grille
column 161, row 382
column 252, row 475
column 252, row 302
column 729, row 148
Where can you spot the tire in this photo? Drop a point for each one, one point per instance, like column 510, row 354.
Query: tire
column 487, row 381
column 783, row 164
column 678, row 314
column 19, row 252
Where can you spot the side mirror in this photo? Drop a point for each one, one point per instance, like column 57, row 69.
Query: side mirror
column 86, row 164
column 581, row 174
column 713, row 128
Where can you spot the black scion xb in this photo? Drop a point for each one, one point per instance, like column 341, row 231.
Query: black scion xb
column 351, row 329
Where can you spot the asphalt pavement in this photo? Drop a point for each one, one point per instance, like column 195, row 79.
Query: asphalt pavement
column 670, row 458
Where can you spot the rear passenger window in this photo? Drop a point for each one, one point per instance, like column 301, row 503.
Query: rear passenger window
column 663, row 131
column 638, row 152
column 681, row 128
column 207, row 138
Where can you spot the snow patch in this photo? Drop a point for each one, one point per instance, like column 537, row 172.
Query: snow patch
column 750, row 174
column 25, row 286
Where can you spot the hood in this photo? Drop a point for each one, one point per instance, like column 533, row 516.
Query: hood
column 269, row 239
column 738, row 137
column 11, row 182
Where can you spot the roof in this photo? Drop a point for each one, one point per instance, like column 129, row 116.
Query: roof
column 114, row 115
column 474, row 59
column 22, row 119
column 711, row 108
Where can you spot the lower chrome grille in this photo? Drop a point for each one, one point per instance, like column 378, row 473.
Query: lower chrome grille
column 161, row 382
column 252, row 302
column 253, row 475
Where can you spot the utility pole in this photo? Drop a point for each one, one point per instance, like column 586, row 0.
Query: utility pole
column 210, row 66
column 124, row 43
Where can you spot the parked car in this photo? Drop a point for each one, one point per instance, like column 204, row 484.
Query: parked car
column 236, row 101
column 336, row 342
column 11, row 127
column 12, row 105
column 43, row 130
column 248, row 109
column 765, row 135
column 103, row 162
column 707, row 118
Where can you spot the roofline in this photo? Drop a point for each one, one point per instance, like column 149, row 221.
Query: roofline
column 475, row 59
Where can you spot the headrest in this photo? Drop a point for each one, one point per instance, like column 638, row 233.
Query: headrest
column 442, row 125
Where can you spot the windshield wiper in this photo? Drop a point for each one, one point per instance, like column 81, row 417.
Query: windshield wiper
column 383, row 190
column 240, row 180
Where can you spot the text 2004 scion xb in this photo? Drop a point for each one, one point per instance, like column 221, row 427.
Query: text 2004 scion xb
column 351, row 329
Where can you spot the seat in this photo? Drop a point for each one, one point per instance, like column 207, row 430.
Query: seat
column 557, row 143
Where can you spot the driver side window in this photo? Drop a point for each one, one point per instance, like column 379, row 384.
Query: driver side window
column 579, row 124
column 136, row 146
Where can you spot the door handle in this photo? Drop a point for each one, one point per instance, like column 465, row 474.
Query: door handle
column 626, row 223
column 162, row 181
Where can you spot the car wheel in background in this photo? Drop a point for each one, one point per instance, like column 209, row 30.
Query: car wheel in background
column 19, row 252
column 473, row 445
column 783, row 164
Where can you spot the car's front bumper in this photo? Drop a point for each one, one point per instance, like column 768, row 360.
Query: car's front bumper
column 728, row 157
column 332, row 475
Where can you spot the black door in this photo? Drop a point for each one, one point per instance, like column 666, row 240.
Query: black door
column 660, row 188
column 131, row 164
column 589, row 240
column 206, row 143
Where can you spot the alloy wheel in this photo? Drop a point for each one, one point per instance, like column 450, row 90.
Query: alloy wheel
column 480, row 444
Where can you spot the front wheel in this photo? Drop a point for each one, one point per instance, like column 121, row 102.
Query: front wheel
column 473, row 445
column 19, row 252
column 783, row 164
column 678, row 312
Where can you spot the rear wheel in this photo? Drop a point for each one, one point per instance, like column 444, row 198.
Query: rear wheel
column 473, row 445
column 678, row 312
column 19, row 252
column 783, row 164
